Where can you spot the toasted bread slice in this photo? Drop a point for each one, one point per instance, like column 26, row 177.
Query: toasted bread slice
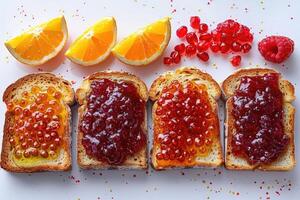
column 14, row 92
column 287, row 160
column 185, row 75
column 137, row 161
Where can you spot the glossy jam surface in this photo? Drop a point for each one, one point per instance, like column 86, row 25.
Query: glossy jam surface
column 38, row 124
column 186, row 124
column 258, row 113
column 112, row 125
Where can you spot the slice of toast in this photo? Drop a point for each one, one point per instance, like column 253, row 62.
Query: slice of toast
column 13, row 93
column 140, row 159
column 287, row 160
column 185, row 75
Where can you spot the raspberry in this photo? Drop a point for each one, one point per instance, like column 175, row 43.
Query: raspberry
column 276, row 48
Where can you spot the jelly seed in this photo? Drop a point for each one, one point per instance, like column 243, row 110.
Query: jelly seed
column 180, row 48
column 236, row 47
column 190, row 50
column 203, row 56
column 168, row 61
column 224, row 47
column 175, row 57
column 205, row 36
column 44, row 153
column 195, row 22
column 51, row 153
column 191, row 38
column 57, row 95
column 181, row 31
column 246, row 48
column 18, row 153
column 203, row 28
column 236, row 61
column 26, row 153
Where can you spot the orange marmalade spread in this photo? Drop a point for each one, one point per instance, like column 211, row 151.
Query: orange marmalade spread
column 37, row 128
column 185, row 126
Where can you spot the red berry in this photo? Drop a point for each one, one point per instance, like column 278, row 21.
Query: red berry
column 205, row 36
column 276, row 48
column 203, row 28
column 236, row 61
column 246, row 48
column 190, row 50
column 203, row 46
column 191, row 38
column 236, row 47
column 175, row 57
column 181, row 31
column 214, row 46
column 195, row 22
column 203, row 56
column 224, row 48
column 180, row 48
column 168, row 61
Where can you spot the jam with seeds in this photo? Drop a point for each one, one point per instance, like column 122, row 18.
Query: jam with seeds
column 36, row 131
column 258, row 113
column 112, row 125
column 186, row 124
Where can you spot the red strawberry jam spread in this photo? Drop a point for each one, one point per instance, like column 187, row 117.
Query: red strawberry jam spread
column 186, row 124
column 37, row 129
column 112, row 124
column 258, row 113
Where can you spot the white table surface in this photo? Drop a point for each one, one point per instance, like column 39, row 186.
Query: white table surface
column 264, row 17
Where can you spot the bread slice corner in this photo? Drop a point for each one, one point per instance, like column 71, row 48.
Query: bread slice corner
column 140, row 159
column 184, row 75
column 287, row 160
column 63, row 161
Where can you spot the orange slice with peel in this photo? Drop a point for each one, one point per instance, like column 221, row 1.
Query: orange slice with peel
column 145, row 45
column 95, row 44
column 40, row 43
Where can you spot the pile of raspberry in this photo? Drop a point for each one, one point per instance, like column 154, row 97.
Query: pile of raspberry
column 228, row 37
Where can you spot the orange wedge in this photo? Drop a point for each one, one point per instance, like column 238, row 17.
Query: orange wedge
column 145, row 45
column 95, row 44
column 40, row 43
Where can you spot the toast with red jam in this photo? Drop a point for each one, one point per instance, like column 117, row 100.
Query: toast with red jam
column 112, row 122
column 185, row 118
column 37, row 133
column 259, row 126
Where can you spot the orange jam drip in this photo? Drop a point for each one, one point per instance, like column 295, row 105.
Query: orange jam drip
column 186, row 124
column 37, row 127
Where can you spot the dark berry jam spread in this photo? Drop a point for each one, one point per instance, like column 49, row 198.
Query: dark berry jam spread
column 112, row 124
column 185, row 125
column 258, row 113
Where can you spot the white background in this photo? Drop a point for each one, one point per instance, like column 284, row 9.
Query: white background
column 264, row 17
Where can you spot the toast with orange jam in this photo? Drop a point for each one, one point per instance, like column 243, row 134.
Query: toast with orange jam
column 37, row 124
column 112, row 122
column 259, row 120
column 186, row 122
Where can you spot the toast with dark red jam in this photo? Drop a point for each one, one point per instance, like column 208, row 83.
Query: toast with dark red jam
column 186, row 122
column 112, row 126
column 259, row 121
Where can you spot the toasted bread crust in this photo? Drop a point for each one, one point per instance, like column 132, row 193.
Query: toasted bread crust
column 215, row 158
column 287, row 160
column 9, row 94
column 138, row 161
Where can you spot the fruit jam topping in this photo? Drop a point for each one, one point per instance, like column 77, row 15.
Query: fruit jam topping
column 258, row 113
column 112, row 125
column 36, row 131
column 186, row 124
